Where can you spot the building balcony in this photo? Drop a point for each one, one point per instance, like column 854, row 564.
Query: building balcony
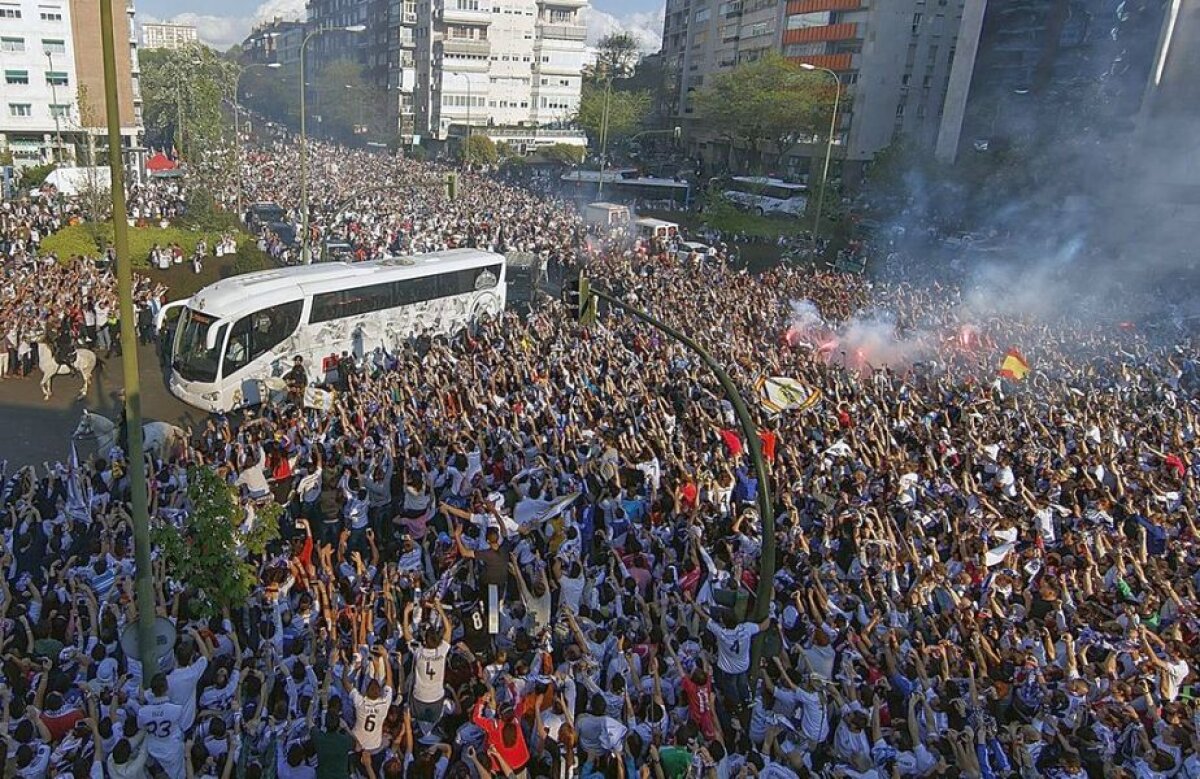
column 826, row 32
column 817, row 6
column 563, row 3
column 470, row 48
column 461, row 16
column 835, row 62
column 562, row 32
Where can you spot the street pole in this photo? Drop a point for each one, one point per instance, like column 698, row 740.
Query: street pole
column 129, row 356
column 237, row 128
column 604, row 136
column 54, row 97
column 305, row 252
column 766, row 573
column 837, row 96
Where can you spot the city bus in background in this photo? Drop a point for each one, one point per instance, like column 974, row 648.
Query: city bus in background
column 626, row 185
column 235, row 339
column 763, row 195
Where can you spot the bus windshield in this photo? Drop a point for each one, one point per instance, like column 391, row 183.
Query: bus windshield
column 194, row 361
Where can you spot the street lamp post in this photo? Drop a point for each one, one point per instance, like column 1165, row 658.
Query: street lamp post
column 55, row 110
column 305, row 255
column 837, row 96
column 237, row 124
column 604, row 135
column 129, row 358
column 467, row 142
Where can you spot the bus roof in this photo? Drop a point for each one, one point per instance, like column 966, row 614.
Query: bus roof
column 647, row 221
column 601, row 204
column 764, row 180
column 239, row 295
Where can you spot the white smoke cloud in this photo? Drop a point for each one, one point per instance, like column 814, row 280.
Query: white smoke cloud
column 645, row 26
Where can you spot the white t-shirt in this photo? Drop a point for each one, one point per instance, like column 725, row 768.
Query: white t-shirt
column 733, row 646
column 368, row 718
column 429, row 669
column 813, row 719
column 40, row 765
column 162, row 722
column 181, row 688
column 1172, row 677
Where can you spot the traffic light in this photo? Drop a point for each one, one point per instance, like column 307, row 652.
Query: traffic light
column 580, row 303
column 451, row 185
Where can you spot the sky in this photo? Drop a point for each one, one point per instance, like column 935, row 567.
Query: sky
column 222, row 23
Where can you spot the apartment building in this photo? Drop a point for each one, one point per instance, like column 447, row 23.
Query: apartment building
column 496, row 64
column 168, row 36
column 276, row 41
column 53, row 90
column 1042, row 69
column 893, row 59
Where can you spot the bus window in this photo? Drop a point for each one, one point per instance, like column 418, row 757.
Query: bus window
column 193, row 360
column 351, row 302
column 256, row 334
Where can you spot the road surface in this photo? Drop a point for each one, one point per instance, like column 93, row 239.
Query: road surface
column 35, row 430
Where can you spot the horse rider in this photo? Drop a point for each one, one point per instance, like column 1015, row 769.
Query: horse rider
column 64, row 345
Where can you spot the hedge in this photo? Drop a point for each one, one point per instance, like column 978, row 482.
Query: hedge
column 86, row 239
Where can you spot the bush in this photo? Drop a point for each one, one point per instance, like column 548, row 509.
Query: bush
column 201, row 213
column 479, row 150
column 250, row 258
column 90, row 239
column 564, row 154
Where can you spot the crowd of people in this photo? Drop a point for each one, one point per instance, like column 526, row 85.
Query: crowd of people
column 534, row 549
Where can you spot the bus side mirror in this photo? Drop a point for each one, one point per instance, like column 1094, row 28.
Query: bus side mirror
column 210, row 339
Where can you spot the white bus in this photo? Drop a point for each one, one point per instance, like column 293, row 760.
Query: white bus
column 236, row 338
column 766, row 195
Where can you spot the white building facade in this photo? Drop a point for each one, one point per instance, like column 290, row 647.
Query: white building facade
column 496, row 64
column 49, row 56
column 40, row 114
column 168, row 36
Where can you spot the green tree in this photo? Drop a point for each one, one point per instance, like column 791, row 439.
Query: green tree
column 564, row 154
column 766, row 102
column 626, row 110
column 35, row 175
column 480, row 150
column 616, row 55
column 182, row 92
column 6, row 157
column 208, row 554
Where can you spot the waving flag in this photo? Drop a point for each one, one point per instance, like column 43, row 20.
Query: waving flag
column 79, row 498
column 780, row 393
column 1014, row 367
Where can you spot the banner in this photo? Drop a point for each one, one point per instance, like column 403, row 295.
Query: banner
column 317, row 398
column 779, row 393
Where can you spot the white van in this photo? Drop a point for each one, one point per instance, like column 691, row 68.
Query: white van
column 656, row 228
column 608, row 215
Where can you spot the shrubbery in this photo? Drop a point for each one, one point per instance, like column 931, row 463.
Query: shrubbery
column 84, row 239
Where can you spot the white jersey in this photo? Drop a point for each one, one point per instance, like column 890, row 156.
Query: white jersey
column 162, row 722
column 368, row 718
column 429, row 672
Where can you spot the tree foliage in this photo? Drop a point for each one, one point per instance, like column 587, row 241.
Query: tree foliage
column 768, row 101
column 182, row 92
column 563, row 153
column 626, row 110
column 35, row 175
column 480, row 150
column 616, row 55
column 208, row 554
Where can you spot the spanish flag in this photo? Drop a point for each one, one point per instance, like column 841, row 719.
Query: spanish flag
column 1014, row 366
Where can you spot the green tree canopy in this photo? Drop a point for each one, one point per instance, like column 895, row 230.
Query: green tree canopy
column 616, row 55
column 480, row 150
column 768, row 101
column 209, row 553
column 182, row 90
column 349, row 108
column 626, row 110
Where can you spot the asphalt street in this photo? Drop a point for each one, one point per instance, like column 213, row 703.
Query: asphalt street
column 36, row 430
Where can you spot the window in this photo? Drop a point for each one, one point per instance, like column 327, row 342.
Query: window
column 762, row 28
column 56, row 78
column 60, row 111
column 12, row 44
column 804, row 50
column 20, row 109
column 820, row 19
column 16, row 77
column 51, row 16
column 51, row 46
column 467, row 5
column 256, row 334
column 378, row 297
column 9, row 12
column 702, row 15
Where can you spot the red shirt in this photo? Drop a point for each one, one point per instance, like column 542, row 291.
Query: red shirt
column 515, row 754
column 60, row 722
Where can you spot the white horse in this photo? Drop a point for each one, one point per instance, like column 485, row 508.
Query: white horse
column 159, row 439
column 85, row 362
